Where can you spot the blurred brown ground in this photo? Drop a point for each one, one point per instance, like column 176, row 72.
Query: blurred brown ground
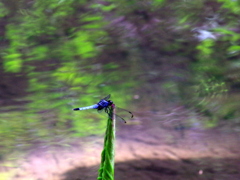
column 145, row 150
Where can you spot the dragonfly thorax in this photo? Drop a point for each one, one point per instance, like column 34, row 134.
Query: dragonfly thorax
column 104, row 104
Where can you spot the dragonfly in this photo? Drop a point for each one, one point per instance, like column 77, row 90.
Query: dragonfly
column 104, row 104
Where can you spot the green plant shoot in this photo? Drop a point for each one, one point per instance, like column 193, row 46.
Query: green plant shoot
column 106, row 170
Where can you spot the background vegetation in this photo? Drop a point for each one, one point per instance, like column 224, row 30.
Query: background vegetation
column 60, row 54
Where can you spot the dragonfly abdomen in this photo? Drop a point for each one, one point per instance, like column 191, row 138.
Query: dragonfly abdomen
column 95, row 106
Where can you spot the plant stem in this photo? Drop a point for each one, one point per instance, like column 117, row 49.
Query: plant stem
column 106, row 170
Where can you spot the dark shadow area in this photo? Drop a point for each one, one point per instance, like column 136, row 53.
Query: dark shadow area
column 155, row 169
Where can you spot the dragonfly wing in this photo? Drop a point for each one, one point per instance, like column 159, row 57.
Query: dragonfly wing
column 123, row 114
column 100, row 110
column 120, row 118
column 107, row 97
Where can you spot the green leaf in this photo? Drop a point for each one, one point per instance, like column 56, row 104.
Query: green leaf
column 158, row 2
column 234, row 48
column 108, row 8
column 3, row 10
column 38, row 53
column 92, row 26
column 91, row 18
column 84, row 46
column 106, row 170
column 232, row 5
column 12, row 62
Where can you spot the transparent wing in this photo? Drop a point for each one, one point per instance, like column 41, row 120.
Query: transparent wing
column 123, row 114
column 101, row 110
column 107, row 97
column 120, row 118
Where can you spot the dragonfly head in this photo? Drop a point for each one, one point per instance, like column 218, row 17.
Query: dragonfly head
column 110, row 102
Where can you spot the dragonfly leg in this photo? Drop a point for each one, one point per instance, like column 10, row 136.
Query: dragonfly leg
column 107, row 111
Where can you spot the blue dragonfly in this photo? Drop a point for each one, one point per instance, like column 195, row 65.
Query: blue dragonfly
column 104, row 104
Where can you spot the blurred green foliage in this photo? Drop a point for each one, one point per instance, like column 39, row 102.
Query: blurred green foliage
column 73, row 53
column 54, row 44
column 233, row 6
column 3, row 10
